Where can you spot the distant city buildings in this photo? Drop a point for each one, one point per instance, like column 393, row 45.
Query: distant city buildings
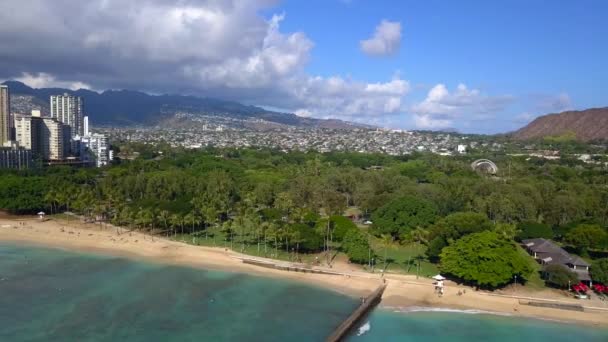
column 53, row 136
column 44, row 136
column 230, row 132
column 15, row 158
column 68, row 109
column 23, row 132
column 94, row 148
column 62, row 138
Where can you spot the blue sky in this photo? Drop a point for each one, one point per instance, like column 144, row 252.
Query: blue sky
column 532, row 50
column 477, row 66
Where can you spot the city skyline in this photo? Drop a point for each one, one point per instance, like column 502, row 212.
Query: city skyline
column 63, row 137
column 477, row 67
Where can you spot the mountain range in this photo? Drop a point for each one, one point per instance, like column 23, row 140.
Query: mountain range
column 126, row 107
column 584, row 125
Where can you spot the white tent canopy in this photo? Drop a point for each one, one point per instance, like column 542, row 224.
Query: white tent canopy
column 439, row 277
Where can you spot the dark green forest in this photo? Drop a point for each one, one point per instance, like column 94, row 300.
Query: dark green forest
column 295, row 202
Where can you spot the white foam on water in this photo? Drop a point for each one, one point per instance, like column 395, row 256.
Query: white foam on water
column 410, row 309
column 364, row 328
column 430, row 309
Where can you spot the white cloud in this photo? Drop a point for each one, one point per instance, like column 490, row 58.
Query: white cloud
column 213, row 48
column 385, row 41
column 305, row 113
column 44, row 80
column 552, row 103
column 426, row 121
column 441, row 107
column 342, row 98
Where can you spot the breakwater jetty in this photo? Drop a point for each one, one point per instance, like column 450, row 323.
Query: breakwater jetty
column 560, row 306
column 286, row 266
column 367, row 305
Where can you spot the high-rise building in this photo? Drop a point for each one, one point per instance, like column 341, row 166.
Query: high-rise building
column 45, row 137
column 86, row 126
column 26, row 132
column 6, row 119
column 51, row 139
column 97, row 146
column 68, row 109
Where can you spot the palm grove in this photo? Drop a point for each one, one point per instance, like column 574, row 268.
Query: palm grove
column 291, row 204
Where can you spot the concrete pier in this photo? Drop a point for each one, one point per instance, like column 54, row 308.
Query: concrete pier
column 366, row 306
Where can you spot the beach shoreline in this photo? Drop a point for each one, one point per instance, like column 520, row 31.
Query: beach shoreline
column 402, row 292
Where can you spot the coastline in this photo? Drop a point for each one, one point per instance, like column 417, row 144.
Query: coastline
column 403, row 292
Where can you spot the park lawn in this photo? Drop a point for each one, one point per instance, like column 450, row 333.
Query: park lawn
column 534, row 281
column 218, row 239
column 404, row 258
column 400, row 258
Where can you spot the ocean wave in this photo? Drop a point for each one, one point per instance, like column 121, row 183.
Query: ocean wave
column 414, row 309
column 408, row 309
column 364, row 328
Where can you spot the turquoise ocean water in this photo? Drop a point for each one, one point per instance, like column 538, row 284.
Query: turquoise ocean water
column 54, row 295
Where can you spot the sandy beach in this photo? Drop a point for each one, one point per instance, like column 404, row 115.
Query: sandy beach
column 403, row 292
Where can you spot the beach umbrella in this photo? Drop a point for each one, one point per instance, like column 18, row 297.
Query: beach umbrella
column 439, row 277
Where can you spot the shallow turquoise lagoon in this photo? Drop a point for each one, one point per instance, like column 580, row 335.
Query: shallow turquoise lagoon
column 54, row 295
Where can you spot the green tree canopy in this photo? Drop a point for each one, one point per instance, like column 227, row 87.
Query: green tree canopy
column 435, row 248
column 457, row 225
column 559, row 276
column 342, row 225
column 404, row 214
column 484, row 259
column 534, row 230
column 599, row 271
column 310, row 240
column 356, row 246
column 586, row 236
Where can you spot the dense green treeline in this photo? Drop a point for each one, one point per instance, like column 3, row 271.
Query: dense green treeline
column 294, row 201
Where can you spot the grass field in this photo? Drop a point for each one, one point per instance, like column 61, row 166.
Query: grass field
column 400, row 258
column 215, row 238
column 404, row 258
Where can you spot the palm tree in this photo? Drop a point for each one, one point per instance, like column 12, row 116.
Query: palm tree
column 419, row 235
column 49, row 198
column 418, row 258
column 227, row 230
column 175, row 220
column 387, row 241
column 147, row 218
column 164, row 216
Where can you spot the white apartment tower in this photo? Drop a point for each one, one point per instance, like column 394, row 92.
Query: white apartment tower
column 44, row 136
column 86, row 126
column 52, row 138
column 98, row 146
column 25, row 132
column 6, row 119
column 68, row 109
